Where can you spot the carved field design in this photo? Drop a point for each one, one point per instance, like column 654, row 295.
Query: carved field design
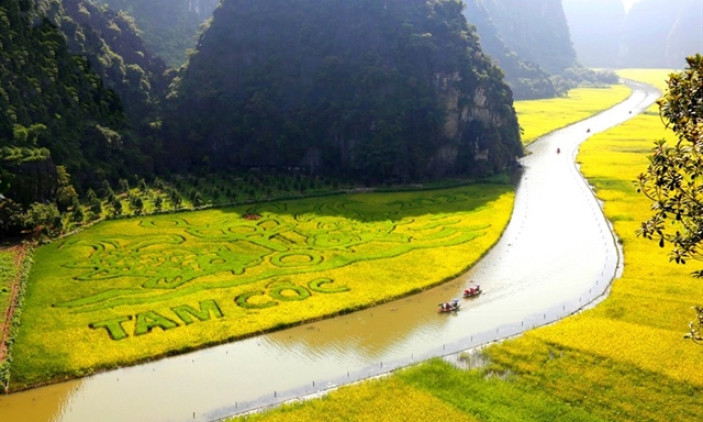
column 133, row 289
column 165, row 254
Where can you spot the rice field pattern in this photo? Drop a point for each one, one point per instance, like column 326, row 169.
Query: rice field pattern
column 158, row 258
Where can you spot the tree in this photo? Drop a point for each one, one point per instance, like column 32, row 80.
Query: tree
column 66, row 194
column 78, row 214
column 138, row 205
column 96, row 207
column 108, row 193
column 117, row 207
column 158, row 203
column 175, row 198
column 673, row 180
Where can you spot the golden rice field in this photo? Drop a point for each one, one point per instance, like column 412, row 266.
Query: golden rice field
column 140, row 288
column 624, row 360
column 539, row 117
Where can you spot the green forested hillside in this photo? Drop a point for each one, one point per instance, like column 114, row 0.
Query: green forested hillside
column 373, row 90
column 169, row 27
column 527, row 80
column 49, row 98
column 55, row 110
column 367, row 91
column 536, row 30
column 531, row 43
column 111, row 43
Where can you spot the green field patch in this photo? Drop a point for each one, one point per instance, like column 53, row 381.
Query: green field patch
column 288, row 291
column 296, row 259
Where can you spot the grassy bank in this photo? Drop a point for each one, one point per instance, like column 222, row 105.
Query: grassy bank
column 625, row 360
column 8, row 272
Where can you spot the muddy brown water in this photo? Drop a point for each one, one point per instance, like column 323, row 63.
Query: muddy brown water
column 556, row 256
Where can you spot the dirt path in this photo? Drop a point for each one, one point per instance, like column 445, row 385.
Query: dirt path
column 19, row 251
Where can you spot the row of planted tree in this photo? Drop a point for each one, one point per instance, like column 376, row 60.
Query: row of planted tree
column 137, row 196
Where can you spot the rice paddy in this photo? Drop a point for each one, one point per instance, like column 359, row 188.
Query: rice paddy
column 539, row 117
column 125, row 291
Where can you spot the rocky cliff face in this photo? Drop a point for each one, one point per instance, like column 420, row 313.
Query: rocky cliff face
column 527, row 80
column 537, row 31
column 375, row 90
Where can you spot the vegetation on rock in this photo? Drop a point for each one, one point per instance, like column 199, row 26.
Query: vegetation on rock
column 370, row 90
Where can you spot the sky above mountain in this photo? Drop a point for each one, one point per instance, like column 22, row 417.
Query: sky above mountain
column 628, row 4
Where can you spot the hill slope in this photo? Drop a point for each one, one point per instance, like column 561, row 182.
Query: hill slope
column 169, row 27
column 373, row 90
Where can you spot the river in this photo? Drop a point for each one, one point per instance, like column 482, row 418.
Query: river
column 556, row 256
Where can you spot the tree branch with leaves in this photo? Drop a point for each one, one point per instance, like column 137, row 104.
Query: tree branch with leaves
column 673, row 180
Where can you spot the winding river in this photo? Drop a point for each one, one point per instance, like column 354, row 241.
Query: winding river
column 557, row 255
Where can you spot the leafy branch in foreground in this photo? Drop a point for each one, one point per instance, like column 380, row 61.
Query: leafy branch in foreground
column 673, row 180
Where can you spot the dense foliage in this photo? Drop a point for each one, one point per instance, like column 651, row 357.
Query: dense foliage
column 674, row 179
column 53, row 108
column 373, row 90
column 527, row 80
column 115, row 51
column 370, row 91
column 79, row 91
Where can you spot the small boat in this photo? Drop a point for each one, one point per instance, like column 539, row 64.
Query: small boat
column 449, row 306
column 473, row 291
